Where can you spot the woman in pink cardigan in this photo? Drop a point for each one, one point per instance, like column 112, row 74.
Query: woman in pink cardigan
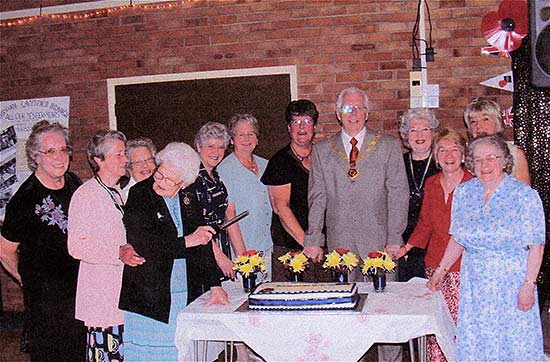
column 96, row 237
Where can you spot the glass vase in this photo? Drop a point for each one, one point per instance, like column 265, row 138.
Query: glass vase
column 296, row 277
column 379, row 281
column 341, row 276
column 249, row 282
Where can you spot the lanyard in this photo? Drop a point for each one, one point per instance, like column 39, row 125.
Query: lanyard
column 119, row 205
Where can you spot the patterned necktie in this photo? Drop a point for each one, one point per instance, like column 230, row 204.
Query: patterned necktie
column 353, row 172
column 353, row 153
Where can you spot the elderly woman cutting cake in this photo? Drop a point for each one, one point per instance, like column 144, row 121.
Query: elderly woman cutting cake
column 163, row 222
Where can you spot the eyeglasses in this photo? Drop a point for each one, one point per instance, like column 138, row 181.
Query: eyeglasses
column 52, row 152
column 347, row 108
column 488, row 159
column 304, row 121
column 142, row 162
column 420, row 130
column 158, row 176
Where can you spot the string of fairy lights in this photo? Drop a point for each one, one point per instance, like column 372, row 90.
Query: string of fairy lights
column 91, row 13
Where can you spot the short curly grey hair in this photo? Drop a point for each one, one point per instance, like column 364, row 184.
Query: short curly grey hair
column 34, row 142
column 412, row 114
column 487, row 106
column 212, row 130
column 494, row 140
column 97, row 147
column 238, row 119
column 182, row 159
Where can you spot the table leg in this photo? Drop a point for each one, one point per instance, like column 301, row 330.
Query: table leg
column 411, row 349
column 205, row 351
column 422, row 355
column 196, row 349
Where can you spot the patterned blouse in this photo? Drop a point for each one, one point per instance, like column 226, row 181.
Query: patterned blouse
column 212, row 196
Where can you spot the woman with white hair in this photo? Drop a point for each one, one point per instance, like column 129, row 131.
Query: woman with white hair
column 163, row 223
column 498, row 317
column 416, row 127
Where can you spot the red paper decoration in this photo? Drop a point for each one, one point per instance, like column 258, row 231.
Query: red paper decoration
column 505, row 28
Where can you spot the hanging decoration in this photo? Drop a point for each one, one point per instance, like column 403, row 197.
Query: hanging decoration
column 91, row 14
column 504, row 29
column 504, row 81
column 508, row 117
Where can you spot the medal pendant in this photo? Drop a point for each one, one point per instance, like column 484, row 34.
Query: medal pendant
column 416, row 194
column 353, row 173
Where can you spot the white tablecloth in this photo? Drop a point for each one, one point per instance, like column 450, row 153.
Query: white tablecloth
column 404, row 311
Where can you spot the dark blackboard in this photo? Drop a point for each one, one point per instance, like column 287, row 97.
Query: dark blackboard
column 175, row 110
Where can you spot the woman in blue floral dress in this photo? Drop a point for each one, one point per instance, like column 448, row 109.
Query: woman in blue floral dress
column 497, row 225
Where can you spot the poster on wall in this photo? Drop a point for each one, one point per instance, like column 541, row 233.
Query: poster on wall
column 16, row 119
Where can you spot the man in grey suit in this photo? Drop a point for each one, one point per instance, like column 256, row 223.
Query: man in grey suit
column 358, row 187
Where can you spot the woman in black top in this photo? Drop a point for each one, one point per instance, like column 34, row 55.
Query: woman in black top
column 416, row 127
column 34, row 241
column 286, row 176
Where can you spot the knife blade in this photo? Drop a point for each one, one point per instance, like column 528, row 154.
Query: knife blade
column 231, row 221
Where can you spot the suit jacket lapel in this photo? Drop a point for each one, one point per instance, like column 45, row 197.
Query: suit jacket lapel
column 339, row 149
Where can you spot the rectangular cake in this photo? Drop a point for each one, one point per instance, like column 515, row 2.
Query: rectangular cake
column 303, row 296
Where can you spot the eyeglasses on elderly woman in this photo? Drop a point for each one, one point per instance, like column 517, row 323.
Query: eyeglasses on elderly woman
column 142, row 162
column 159, row 177
column 488, row 159
column 52, row 152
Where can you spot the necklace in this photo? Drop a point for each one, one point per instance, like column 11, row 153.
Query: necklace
column 301, row 158
column 249, row 165
column 417, row 192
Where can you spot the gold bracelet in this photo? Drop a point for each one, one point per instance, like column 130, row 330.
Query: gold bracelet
column 530, row 281
column 442, row 267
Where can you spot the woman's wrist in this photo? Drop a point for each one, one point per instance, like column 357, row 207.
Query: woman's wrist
column 530, row 282
column 442, row 268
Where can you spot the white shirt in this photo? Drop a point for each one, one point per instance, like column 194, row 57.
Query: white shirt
column 359, row 137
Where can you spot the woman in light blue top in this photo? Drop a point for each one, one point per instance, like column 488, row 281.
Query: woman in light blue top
column 241, row 172
column 497, row 225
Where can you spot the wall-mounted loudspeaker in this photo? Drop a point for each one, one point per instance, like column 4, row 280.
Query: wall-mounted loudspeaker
column 539, row 31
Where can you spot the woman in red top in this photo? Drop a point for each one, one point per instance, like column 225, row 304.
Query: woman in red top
column 431, row 232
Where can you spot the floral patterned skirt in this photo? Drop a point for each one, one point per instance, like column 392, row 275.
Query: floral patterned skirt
column 449, row 289
column 105, row 344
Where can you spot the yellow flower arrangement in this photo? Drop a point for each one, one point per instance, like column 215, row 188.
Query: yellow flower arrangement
column 340, row 260
column 249, row 263
column 294, row 261
column 377, row 261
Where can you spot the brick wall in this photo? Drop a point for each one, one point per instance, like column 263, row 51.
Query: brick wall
column 12, row 295
column 334, row 44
